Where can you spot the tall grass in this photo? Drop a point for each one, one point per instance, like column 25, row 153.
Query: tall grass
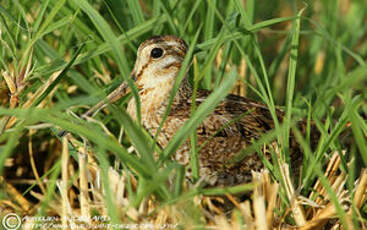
column 58, row 58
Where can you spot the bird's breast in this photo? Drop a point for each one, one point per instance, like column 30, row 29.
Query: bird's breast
column 153, row 104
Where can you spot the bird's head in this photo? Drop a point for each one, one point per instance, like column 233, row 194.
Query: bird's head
column 159, row 60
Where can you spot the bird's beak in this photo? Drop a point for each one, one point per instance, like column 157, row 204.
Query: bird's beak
column 115, row 95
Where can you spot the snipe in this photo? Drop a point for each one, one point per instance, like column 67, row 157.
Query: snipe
column 158, row 62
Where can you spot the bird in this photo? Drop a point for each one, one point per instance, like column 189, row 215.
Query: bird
column 233, row 125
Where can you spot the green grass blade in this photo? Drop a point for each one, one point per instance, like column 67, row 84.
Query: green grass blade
column 291, row 82
column 139, row 139
column 121, row 60
column 179, row 180
column 80, row 128
column 7, row 149
column 135, row 11
column 189, row 18
column 243, row 13
column 208, row 33
column 109, row 199
column 194, row 159
column 58, row 79
column 156, row 183
column 164, row 6
column 40, row 16
column 267, row 23
column 360, row 138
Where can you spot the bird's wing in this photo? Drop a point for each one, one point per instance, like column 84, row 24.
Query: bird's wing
column 239, row 116
column 231, row 127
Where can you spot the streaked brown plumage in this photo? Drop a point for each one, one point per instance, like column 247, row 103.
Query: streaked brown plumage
column 158, row 62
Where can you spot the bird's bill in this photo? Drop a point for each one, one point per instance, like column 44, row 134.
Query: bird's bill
column 115, row 95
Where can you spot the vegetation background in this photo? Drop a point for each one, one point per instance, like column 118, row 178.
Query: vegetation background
column 60, row 57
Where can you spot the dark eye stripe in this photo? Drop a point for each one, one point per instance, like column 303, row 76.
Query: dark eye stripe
column 176, row 64
column 166, row 47
column 164, row 40
column 178, row 46
column 172, row 50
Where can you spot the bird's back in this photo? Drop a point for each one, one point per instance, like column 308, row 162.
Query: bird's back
column 233, row 126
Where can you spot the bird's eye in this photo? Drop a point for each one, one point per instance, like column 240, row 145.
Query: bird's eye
column 156, row 53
